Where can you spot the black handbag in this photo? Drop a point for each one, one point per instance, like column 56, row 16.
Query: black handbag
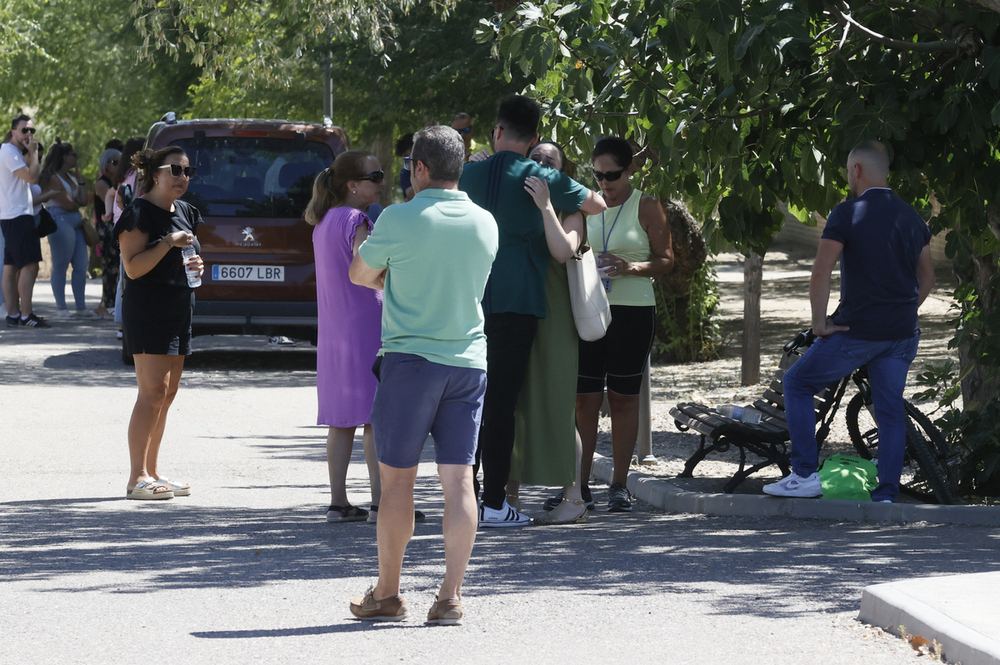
column 46, row 223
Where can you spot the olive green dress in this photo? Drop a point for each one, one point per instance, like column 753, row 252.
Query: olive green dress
column 545, row 417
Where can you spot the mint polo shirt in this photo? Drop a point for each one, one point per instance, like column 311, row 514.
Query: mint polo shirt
column 438, row 249
column 497, row 184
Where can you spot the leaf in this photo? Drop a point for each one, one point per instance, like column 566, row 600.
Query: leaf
column 743, row 44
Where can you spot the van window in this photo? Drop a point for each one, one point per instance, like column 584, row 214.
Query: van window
column 253, row 177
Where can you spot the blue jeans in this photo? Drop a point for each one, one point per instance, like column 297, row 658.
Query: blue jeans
column 831, row 359
column 68, row 247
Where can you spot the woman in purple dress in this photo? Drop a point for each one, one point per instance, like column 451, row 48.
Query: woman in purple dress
column 350, row 320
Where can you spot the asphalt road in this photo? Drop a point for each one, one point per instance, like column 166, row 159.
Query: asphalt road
column 247, row 570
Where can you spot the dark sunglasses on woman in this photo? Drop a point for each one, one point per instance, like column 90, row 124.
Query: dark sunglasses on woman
column 176, row 170
column 610, row 176
column 374, row 176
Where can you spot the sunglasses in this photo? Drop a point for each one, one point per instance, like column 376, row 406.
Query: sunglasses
column 374, row 176
column 113, row 162
column 464, row 130
column 176, row 170
column 27, row 130
column 610, row 176
column 407, row 163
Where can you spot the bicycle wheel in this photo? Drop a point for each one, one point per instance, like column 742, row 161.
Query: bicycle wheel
column 862, row 428
column 930, row 480
column 931, row 456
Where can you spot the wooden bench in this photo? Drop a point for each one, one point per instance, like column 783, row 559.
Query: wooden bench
column 768, row 440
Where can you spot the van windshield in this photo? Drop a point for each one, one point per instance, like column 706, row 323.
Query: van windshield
column 253, row 177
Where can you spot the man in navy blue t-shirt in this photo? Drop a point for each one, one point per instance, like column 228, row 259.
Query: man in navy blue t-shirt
column 886, row 273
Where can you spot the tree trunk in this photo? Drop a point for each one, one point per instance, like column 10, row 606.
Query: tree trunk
column 753, row 273
column 980, row 384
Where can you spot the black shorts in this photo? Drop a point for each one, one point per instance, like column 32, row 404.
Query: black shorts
column 620, row 355
column 156, row 319
column 22, row 246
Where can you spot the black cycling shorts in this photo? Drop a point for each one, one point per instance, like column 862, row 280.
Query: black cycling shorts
column 620, row 355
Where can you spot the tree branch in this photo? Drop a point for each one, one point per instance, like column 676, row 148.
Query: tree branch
column 924, row 47
column 988, row 5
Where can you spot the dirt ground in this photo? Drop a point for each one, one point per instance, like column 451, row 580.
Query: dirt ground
column 784, row 312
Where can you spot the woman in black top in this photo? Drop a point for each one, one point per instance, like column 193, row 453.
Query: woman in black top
column 156, row 307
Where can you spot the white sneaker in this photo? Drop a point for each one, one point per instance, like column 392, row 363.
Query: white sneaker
column 63, row 314
column 280, row 341
column 86, row 314
column 795, row 485
column 506, row 516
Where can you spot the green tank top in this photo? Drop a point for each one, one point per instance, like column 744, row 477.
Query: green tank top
column 617, row 231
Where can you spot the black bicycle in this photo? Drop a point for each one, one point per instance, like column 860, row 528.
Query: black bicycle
column 927, row 451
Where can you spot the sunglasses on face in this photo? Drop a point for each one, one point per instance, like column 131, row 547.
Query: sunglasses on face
column 27, row 130
column 610, row 176
column 113, row 162
column 176, row 170
column 374, row 176
column 464, row 130
column 407, row 163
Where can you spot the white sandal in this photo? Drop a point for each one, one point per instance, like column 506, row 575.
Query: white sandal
column 149, row 490
column 179, row 489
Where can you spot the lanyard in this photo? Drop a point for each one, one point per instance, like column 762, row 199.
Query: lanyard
column 607, row 238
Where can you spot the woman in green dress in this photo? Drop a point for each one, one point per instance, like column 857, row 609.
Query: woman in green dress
column 546, row 444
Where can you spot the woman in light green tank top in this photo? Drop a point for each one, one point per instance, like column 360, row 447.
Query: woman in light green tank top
column 632, row 239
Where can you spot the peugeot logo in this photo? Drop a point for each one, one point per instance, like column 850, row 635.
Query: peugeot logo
column 248, row 234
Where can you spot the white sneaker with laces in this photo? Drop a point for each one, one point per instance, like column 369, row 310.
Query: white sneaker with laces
column 506, row 516
column 794, row 485
column 63, row 314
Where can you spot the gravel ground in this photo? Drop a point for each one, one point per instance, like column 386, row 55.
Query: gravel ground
column 784, row 312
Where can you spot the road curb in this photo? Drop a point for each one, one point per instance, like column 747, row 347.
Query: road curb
column 665, row 495
column 890, row 607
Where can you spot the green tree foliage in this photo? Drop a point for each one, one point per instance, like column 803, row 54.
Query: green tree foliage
column 742, row 104
column 77, row 73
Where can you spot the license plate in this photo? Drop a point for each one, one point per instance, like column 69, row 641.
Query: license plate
column 248, row 273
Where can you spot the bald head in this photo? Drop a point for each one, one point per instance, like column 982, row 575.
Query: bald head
column 867, row 166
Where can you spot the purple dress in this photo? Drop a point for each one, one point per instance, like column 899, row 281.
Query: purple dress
column 350, row 324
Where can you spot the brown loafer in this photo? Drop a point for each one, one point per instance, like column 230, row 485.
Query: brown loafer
column 367, row 608
column 446, row 612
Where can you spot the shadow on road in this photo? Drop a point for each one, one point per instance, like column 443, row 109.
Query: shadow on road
column 738, row 566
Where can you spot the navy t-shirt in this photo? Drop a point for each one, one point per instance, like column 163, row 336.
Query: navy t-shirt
column 883, row 238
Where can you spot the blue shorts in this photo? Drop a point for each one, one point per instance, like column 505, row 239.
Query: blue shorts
column 416, row 397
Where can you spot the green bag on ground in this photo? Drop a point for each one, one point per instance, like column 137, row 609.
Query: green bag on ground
column 847, row 477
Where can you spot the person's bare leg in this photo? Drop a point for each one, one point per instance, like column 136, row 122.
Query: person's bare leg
column 624, row 431
column 461, row 518
column 151, row 373
column 395, row 526
column 339, row 444
column 568, row 510
column 9, row 284
column 371, row 459
column 513, row 494
column 173, row 379
column 588, row 414
column 25, row 286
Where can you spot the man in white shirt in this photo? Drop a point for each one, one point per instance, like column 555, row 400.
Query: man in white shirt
column 19, row 169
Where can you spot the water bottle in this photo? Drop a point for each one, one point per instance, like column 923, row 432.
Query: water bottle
column 751, row 415
column 194, row 280
column 747, row 414
column 731, row 411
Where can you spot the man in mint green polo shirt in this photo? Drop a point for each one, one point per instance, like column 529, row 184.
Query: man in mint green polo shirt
column 515, row 294
column 432, row 256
